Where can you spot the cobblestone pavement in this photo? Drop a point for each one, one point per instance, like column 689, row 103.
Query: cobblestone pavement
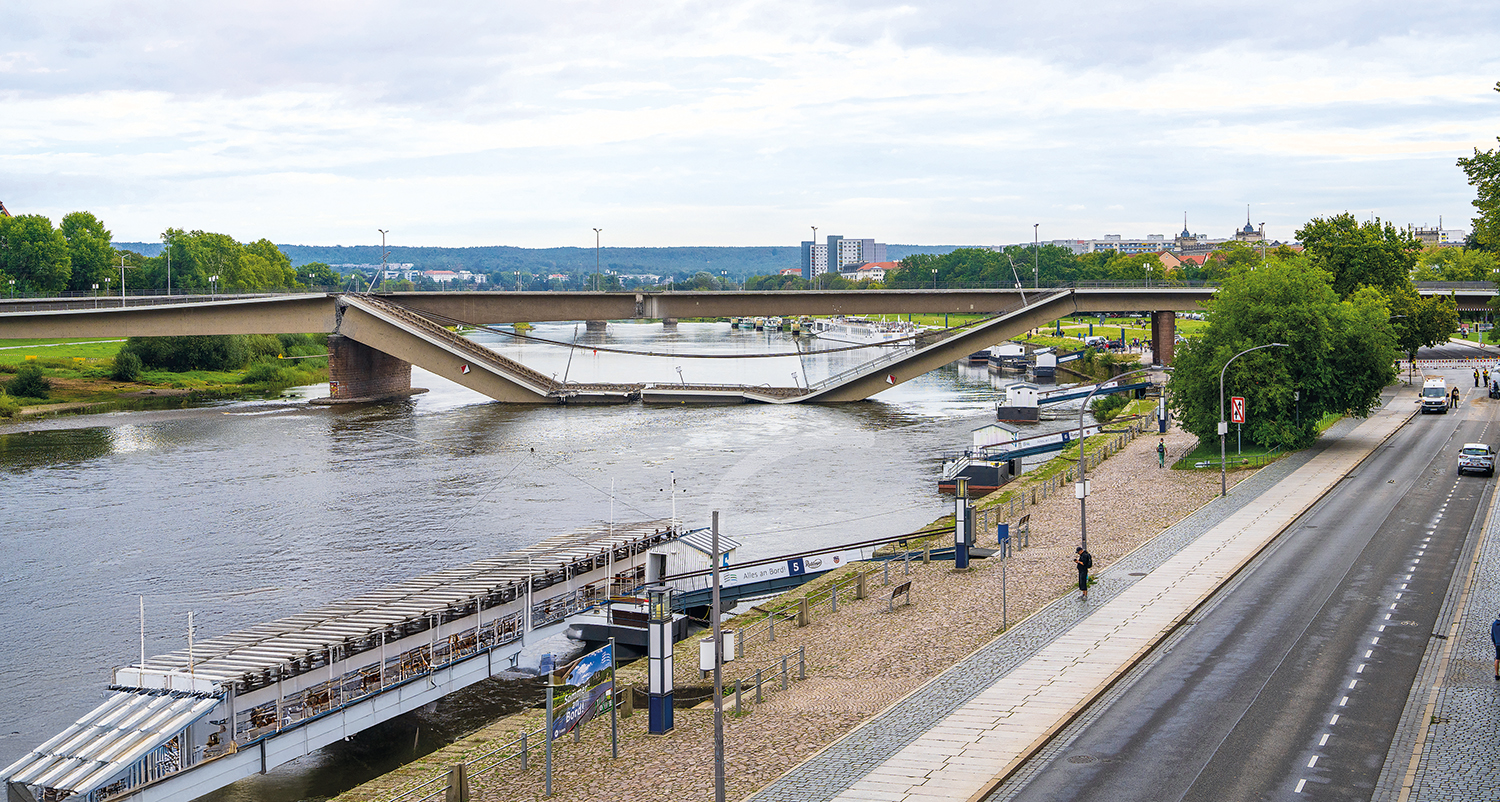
column 1459, row 727
column 836, row 768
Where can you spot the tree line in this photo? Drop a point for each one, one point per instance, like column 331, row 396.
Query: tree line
column 78, row 256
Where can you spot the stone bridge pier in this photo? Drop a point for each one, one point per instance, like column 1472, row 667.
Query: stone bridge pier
column 1163, row 336
column 357, row 373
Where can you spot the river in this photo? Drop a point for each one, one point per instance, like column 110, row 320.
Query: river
column 247, row 511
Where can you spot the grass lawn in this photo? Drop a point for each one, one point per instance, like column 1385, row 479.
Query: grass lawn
column 1208, row 450
column 14, row 352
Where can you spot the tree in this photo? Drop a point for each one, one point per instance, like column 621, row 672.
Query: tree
column 89, row 250
column 34, row 254
column 317, row 274
column 1359, row 254
column 1441, row 263
column 1421, row 322
column 1341, row 354
column 1483, row 170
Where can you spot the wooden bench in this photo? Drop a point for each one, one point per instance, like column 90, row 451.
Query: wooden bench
column 903, row 589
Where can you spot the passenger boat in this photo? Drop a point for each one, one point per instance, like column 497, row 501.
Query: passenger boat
column 862, row 331
column 773, row 324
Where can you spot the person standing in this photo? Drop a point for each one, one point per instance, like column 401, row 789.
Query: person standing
column 1161, row 453
column 1453, row 399
column 1476, row 377
column 1495, row 639
column 1084, row 561
column 1486, row 375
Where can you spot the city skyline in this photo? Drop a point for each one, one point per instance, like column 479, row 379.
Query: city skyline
column 743, row 123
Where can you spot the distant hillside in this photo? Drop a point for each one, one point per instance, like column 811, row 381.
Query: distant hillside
column 740, row 262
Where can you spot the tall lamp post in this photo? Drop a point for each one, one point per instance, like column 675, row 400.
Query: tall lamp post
column 1224, row 426
column 1036, row 264
column 596, row 258
column 383, row 254
column 1082, row 488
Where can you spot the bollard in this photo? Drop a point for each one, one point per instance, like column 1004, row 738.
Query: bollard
column 458, row 784
column 757, row 686
column 887, row 572
column 802, row 616
column 906, row 562
column 859, row 585
column 783, row 672
column 737, row 695
column 628, row 708
column 801, row 663
column 927, row 555
column 525, row 753
column 835, row 597
column 771, row 625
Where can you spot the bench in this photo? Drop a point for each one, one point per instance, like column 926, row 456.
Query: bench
column 903, row 589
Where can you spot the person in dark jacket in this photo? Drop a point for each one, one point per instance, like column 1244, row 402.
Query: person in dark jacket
column 1085, row 561
column 1495, row 639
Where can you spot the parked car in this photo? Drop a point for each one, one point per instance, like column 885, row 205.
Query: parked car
column 1476, row 458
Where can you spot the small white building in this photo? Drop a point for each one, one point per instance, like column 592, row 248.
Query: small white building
column 994, row 434
column 691, row 552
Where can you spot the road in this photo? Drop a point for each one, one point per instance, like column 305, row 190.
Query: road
column 1289, row 684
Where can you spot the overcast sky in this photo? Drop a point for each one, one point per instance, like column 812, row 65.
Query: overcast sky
column 741, row 123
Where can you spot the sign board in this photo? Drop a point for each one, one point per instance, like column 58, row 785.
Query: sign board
column 1237, row 410
column 583, row 691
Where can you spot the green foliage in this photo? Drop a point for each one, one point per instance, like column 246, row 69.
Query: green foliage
column 1341, row 354
column 1439, row 263
column 1359, row 254
column 88, row 249
column 194, row 352
column 29, row 383
column 1483, row 170
column 776, row 282
column 1106, row 407
column 127, row 367
column 9, row 407
column 34, row 254
column 1421, row 322
column 317, row 274
column 197, row 256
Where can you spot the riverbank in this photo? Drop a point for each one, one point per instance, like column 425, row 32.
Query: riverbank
column 859, row 660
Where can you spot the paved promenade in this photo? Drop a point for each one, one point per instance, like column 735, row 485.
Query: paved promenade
column 959, row 735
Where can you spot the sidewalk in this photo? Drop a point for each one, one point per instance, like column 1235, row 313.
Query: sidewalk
column 959, row 735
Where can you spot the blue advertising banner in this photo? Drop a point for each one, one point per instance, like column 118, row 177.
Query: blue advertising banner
column 584, row 690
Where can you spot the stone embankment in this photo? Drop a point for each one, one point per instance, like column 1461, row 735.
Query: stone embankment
column 859, row 660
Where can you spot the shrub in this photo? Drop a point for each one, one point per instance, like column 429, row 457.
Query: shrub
column 8, row 406
column 29, row 383
column 196, row 352
column 1107, row 407
column 265, row 371
column 127, row 367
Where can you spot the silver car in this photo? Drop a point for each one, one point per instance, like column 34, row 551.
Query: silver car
column 1476, row 458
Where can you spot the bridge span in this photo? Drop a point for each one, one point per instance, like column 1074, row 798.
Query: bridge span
column 378, row 337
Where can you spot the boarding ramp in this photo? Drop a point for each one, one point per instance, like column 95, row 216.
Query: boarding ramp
column 178, row 726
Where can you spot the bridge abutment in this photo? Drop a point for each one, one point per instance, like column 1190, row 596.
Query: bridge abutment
column 1163, row 336
column 357, row 372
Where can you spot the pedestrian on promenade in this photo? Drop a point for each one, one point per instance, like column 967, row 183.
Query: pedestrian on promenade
column 1453, row 399
column 1085, row 561
column 1161, row 453
column 1495, row 639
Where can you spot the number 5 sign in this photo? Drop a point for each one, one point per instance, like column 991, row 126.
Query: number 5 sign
column 1236, row 410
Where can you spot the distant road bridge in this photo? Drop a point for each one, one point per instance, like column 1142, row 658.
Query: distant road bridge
column 378, row 337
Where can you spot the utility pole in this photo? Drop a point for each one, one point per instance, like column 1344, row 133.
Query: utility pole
column 383, row 254
column 718, row 674
column 1036, row 265
column 597, row 277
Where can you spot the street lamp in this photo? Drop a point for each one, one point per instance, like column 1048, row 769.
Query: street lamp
column 596, row 257
column 1223, row 426
column 1082, row 488
column 96, row 294
column 13, row 288
column 1036, row 265
column 213, row 287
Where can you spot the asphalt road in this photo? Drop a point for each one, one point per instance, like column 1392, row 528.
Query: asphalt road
column 1289, row 684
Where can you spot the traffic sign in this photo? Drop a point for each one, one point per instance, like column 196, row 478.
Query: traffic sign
column 1237, row 410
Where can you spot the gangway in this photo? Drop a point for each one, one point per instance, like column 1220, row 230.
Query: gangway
column 1107, row 388
column 177, row 726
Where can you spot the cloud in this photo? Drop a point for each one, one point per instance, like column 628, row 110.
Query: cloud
column 737, row 122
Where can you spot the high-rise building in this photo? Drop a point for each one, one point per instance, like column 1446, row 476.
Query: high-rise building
column 843, row 251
